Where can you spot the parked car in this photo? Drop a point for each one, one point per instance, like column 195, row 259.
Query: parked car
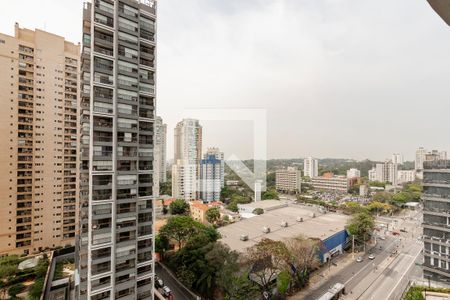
column 166, row 291
column 403, row 230
column 382, row 238
column 159, row 283
column 372, row 256
column 359, row 259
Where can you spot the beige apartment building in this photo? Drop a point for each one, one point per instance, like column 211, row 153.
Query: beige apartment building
column 288, row 180
column 38, row 153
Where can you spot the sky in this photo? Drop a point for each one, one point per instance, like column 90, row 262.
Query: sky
column 337, row 78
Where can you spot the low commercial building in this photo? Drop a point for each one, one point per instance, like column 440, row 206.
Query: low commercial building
column 290, row 221
column 246, row 210
column 288, row 180
column 332, row 182
column 198, row 209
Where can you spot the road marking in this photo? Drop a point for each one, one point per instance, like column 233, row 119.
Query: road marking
column 403, row 275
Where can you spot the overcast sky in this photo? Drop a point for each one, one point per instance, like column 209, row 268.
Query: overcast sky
column 338, row 78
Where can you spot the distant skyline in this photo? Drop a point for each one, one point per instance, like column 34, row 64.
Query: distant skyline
column 351, row 79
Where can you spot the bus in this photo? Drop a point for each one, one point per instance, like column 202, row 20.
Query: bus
column 334, row 293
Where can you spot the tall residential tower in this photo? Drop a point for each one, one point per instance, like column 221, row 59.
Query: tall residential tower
column 39, row 95
column 212, row 175
column 115, row 249
column 310, row 167
column 160, row 149
column 188, row 152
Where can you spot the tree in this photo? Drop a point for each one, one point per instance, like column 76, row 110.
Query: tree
column 161, row 244
column 283, row 281
column 384, row 197
column 258, row 211
column 270, row 194
column 240, row 287
column 266, row 260
column 165, row 188
column 379, row 207
column 213, row 215
column 179, row 228
column 302, row 258
column 361, row 226
column 178, row 207
column 233, row 207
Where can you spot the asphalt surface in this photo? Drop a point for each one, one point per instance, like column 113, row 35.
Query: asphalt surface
column 178, row 291
column 380, row 277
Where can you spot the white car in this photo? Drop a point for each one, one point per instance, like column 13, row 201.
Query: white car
column 382, row 238
column 359, row 259
column 166, row 291
column 371, row 256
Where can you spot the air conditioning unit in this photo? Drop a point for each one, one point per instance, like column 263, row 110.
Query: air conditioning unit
column 266, row 229
column 299, row 219
column 284, row 224
column 244, row 237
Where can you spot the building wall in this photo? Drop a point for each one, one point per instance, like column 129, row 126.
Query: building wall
column 333, row 245
column 39, row 85
column 311, row 167
column 335, row 183
column 288, row 180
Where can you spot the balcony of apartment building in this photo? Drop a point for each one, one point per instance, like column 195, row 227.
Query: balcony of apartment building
column 26, row 50
column 23, row 212
column 145, row 270
column 144, row 257
column 102, row 138
column 27, row 220
column 102, row 124
column 145, row 127
column 127, row 166
column 102, row 195
column 101, row 211
column 102, row 255
column 104, row 267
column 145, row 191
column 130, row 83
column 102, row 65
column 128, row 54
column 102, row 152
column 100, row 182
column 101, row 227
column 124, row 239
column 26, row 81
column 21, row 190
column 145, row 140
column 101, row 283
column 127, row 111
column 26, row 58
column 126, row 152
column 128, row 11
column 145, row 163
column 145, row 206
column 103, row 42
column 146, row 102
column 145, row 245
column 103, row 94
column 25, row 120
column 127, row 138
column 25, row 157
column 102, row 296
column 126, row 195
column 104, row 18
column 22, row 244
column 125, row 282
column 125, row 210
column 127, row 125
column 145, row 180
column 127, row 68
column 144, row 231
column 126, row 294
column 123, row 226
column 128, row 25
column 24, row 166
column 26, row 66
column 24, row 174
column 21, row 182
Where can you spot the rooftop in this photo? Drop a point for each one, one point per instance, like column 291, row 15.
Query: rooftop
column 264, row 204
column 322, row 226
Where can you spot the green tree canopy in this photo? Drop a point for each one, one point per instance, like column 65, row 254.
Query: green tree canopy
column 361, row 225
column 213, row 215
column 270, row 194
column 178, row 207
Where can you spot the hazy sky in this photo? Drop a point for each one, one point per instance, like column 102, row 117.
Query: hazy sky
column 338, row 78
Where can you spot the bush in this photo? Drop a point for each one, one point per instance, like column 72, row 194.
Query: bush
column 36, row 290
column 16, row 289
column 258, row 211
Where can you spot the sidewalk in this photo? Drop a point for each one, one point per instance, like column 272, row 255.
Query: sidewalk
column 322, row 275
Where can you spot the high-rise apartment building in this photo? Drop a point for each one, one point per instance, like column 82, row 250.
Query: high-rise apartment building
column 420, row 158
column 115, row 247
column 311, row 167
column 387, row 172
column 397, row 158
column 187, row 155
column 160, row 150
column 436, row 217
column 404, row 176
column 212, row 175
column 372, row 174
column 288, row 180
column 39, row 150
column 353, row 173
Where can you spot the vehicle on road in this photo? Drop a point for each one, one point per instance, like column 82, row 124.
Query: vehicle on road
column 359, row 259
column 382, row 238
column 166, row 291
column 403, row 230
column 372, row 256
column 335, row 292
column 159, row 283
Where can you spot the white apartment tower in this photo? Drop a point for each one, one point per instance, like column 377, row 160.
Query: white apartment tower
column 311, row 167
column 386, row 172
column 115, row 244
column 160, row 150
column 353, row 173
column 398, row 158
column 212, row 175
column 187, row 155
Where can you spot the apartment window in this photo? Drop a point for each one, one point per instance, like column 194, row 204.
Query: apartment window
column 102, row 165
column 102, row 107
column 125, row 109
column 148, row 88
column 106, row 7
column 128, row 38
column 103, row 78
column 127, row 52
column 128, row 25
column 128, row 10
column 127, row 81
column 127, row 67
column 127, row 123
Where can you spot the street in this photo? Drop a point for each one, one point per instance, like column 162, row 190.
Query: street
column 178, row 291
column 382, row 277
